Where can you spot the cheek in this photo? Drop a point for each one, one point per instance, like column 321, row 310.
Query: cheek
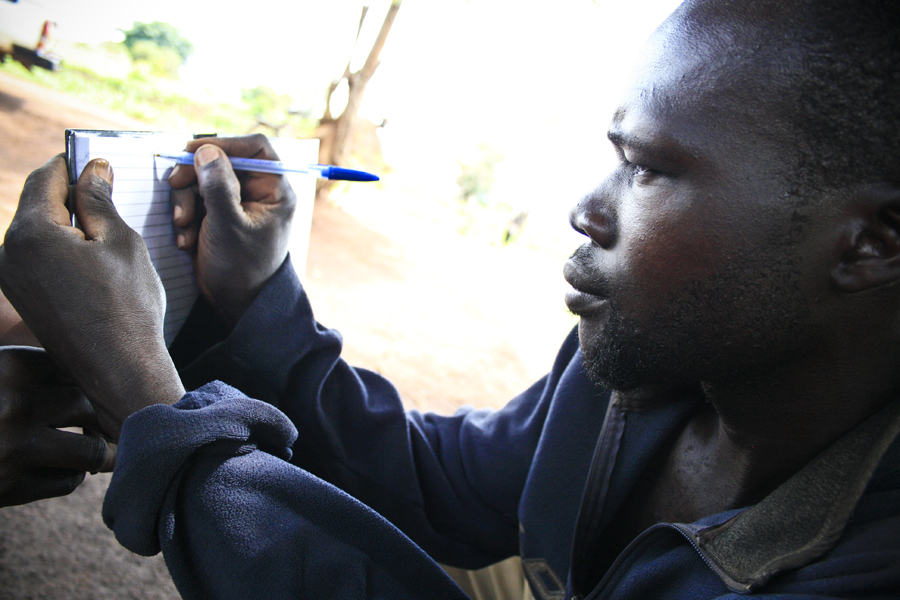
column 663, row 250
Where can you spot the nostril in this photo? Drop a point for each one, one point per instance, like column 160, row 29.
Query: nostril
column 595, row 224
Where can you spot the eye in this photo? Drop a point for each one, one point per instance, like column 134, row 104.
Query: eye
column 639, row 169
column 636, row 170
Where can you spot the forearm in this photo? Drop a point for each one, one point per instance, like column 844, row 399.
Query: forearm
column 449, row 482
column 185, row 478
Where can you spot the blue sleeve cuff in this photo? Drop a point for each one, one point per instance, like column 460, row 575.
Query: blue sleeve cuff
column 158, row 440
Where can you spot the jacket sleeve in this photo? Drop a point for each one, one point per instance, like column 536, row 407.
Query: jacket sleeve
column 452, row 483
column 207, row 482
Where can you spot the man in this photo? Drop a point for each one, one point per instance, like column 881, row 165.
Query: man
column 738, row 291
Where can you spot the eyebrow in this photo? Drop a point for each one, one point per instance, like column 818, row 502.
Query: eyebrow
column 666, row 145
column 627, row 141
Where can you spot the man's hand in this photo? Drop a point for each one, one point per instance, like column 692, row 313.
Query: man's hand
column 237, row 224
column 14, row 331
column 91, row 297
column 37, row 460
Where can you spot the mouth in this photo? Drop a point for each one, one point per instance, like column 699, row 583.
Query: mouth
column 583, row 303
column 586, row 296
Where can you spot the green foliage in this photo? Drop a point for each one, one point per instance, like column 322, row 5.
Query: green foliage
column 162, row 104
column 163, row 35
column 477, row 177
column 155, row 60
column 267, row 105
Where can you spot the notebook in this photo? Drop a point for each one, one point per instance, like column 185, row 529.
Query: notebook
column 141, row 196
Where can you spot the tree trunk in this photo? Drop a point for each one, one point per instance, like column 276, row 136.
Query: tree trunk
column 336, row 135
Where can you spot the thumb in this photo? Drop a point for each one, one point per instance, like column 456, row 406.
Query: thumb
column 218, row 185
column 93, row 205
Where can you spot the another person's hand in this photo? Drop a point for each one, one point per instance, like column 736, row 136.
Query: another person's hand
column 13, row 330
column 37, row 460
column 238, row 225
column 91, row 297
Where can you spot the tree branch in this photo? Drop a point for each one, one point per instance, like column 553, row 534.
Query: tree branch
column 371, row 64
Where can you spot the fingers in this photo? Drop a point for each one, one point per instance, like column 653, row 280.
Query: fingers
column 186, row 216
column 58, row 449
column 22, row 367
column 37, row 484
column 35, row 393
column 44, row 195
column 247, row 146
column 93, row 200
column 217, row 183
column 65, row 406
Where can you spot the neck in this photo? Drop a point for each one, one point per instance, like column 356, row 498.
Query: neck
column 774, row 423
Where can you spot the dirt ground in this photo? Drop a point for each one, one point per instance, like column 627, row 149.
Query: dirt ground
column 451, row 322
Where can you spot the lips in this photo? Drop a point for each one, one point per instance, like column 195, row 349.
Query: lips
column 587, row 295
column 582, row 303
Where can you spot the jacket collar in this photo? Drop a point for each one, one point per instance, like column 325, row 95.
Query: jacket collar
column 803, row 518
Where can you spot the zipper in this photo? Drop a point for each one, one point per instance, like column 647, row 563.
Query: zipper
column 597, row 485
column 686, row 532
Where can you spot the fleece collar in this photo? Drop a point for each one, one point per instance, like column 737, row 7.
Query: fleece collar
column 803, row 518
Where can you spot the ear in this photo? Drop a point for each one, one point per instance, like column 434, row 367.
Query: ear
column 870, row 247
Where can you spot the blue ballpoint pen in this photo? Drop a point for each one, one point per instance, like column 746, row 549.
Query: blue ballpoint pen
column 280, row 168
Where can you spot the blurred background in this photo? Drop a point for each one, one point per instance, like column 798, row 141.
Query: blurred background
column 486, row 120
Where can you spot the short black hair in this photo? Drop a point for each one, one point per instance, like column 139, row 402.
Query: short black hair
column 834, row 67
column 848, row 91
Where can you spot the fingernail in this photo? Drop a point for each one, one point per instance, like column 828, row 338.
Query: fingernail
column 177, row 213
column 179, row 241
column 205, row 155
column 103, row 169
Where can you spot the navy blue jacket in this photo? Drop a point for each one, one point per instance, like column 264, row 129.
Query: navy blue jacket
column 270, row 497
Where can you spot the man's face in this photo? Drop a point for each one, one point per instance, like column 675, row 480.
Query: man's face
column 699, row 264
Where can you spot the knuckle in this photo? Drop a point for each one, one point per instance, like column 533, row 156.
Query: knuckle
column 258, row 139
column 97, row 455
column 288, row 198
column 95, row 190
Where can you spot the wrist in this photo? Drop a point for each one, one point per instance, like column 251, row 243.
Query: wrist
column 154, row 381
column 231, row 302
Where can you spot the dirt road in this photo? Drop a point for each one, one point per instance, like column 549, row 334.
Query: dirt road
column 449, row 321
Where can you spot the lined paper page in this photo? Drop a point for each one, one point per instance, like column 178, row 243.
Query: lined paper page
column 141, row 196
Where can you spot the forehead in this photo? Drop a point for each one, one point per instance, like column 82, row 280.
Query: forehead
column 704, row 88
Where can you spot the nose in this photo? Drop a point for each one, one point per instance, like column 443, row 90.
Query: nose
column 594, row 217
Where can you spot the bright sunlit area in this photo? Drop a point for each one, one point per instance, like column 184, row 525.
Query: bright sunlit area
column 512, row 96
column 485, row 119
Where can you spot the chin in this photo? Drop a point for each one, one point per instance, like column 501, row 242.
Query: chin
column 609, row 360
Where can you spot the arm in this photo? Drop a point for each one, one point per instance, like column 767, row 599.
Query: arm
column 37, row 399
column 90, row 296
column 451, row 483
column 235, row 520
column 94, row 301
